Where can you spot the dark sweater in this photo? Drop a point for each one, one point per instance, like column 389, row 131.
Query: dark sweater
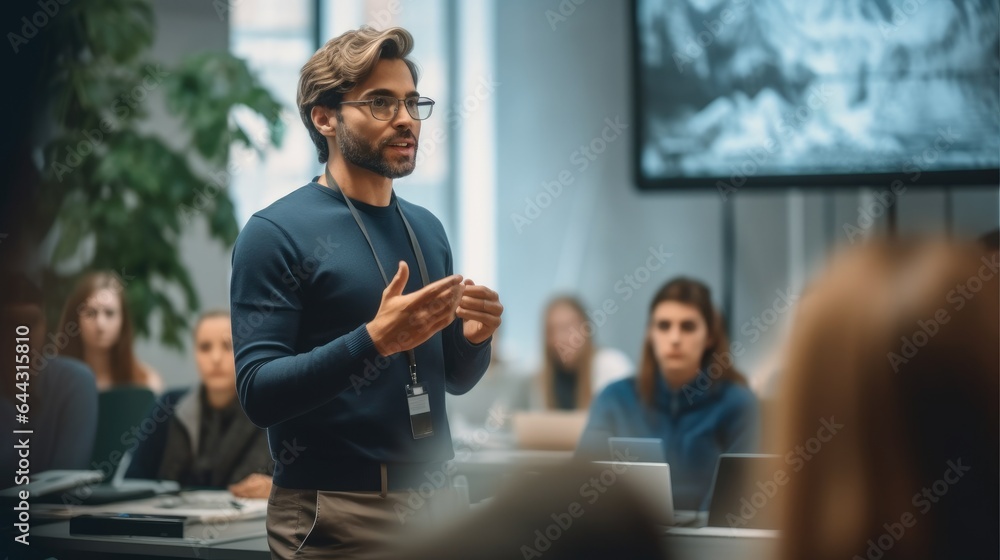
column 304, row 286
column 696, row 427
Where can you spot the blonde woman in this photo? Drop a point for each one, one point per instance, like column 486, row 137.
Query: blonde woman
column 574, row 369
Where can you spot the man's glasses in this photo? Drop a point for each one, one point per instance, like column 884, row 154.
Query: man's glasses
column 385, row 107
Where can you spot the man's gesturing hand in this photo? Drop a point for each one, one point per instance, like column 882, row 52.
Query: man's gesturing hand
column 404, row 322
column 480, row 311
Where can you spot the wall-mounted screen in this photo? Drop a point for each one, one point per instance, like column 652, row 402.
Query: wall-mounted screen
column 731, row 93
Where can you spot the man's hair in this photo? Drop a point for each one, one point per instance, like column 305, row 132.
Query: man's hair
column 340, row 64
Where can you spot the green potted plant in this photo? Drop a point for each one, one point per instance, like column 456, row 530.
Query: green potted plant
column 115, row 194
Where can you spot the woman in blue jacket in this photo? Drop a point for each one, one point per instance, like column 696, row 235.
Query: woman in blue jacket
column 687, row 393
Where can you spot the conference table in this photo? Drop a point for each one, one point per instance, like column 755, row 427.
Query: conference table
column 245, row 539
column 54, row 539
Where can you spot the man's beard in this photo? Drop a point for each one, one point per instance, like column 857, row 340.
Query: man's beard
column 359, row 152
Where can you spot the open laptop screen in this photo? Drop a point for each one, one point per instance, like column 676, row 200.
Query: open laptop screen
column 746, row 490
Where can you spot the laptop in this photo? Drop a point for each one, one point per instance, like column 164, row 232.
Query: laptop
column 637, row 450
column 49, row 482
column 746, row 490
column 549, row 430
column 118, row 489
column 650, row 482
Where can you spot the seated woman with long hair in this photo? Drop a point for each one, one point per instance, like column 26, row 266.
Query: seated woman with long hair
column 686, row 393
column 897, row 343
column 97, row 327
column 574, row 369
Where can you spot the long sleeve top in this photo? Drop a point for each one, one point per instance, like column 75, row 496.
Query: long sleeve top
column 696, row 426
column 305, row 284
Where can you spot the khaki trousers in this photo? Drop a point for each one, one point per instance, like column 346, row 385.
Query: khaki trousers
column 308, row 524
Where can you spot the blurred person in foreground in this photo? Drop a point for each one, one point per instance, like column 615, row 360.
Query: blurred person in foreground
column 687, row 393
column 202, row 437
column 551, row 513
column 895, row 345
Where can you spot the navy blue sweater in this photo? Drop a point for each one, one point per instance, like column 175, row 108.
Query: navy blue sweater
column 696, row 427
column 304, row 286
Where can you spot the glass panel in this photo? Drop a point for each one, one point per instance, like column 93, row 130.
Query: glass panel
column 275, row 39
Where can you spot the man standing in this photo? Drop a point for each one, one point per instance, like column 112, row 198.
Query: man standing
column 344, row 312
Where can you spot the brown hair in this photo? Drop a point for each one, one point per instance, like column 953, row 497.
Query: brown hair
column 584, row 390
column 340, row 64
column 905, row 412
column 697, row 294
column 125, row 368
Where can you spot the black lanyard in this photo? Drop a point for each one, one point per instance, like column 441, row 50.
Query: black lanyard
column 410, row 356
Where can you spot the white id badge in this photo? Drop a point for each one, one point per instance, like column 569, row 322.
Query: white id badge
column 419, row 403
